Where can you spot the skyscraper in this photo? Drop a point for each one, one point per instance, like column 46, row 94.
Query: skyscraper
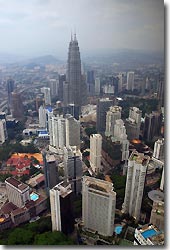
column 103, row 106
column 47, row 95
column 98, row 205
column 73, row 76
column 152, row 125
column 10, row 89
column 3, row 131
column 130, row 81
column 72, row 131
column 133, row 123
column 17, row 106
column 113, row 114
column 95, row 152
column 137, row 165
column 61, row 208
column 158, row 152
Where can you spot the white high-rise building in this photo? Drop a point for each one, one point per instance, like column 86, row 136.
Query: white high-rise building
column 113, row 114
column 61, row 208
column 162, row 180
column 3, row 131
column 72, row 131
column 42, row 117
column 54, row 85
column 57, row 125
column 98, row 205
column 137, row 165
column 47, row 95
column 95, row 152
column 73, row 167
column 97, row 86
column 130, row 80
column 120, row 135
column 158, row 152
column 133, row 123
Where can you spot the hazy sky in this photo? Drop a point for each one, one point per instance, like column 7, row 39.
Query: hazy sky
column 38, row 27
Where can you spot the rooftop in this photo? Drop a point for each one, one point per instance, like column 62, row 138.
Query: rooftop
column 140, row 158
column 152, row 233
column 156, row 195
column 18, row 184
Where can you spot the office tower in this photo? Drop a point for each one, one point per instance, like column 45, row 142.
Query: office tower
column 18, row 193
column 161, row 93
column 112, row 115
column 157, row 214
column 73, row 76
column 158, row 152
column 148, row 235
column 42, row 117
column 62, row 79
column 121, row 136
column 137, row 165
column 95, row 152
column 98, row 205
column 120, row 82
column 50, row 170
column 147, row 84
column 54, row 86
column 72, row 131
column 17, row 106
column 162, row 180
column 152, row 125
column 61, row 202
column 108, row 89
column 47, row 95
column 10, row 89
column 65, row 93
column 133, row 123
column 90, row 82
column 97, row 86
column 73, row 110
column 73, row 167
column 3, row 131
column 130, row 81
column 103, row 106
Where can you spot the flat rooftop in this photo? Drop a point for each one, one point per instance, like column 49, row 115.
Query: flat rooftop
column 156, row 195
column 18, row 184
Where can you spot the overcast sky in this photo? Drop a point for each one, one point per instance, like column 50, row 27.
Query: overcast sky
column 39, row 27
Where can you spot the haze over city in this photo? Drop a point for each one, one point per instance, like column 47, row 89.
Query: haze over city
column 34, row 28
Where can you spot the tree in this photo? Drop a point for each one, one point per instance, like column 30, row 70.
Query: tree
column 20, row 237
column 52, row 238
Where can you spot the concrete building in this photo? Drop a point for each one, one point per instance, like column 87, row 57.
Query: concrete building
column 103, row 106
column 98, row 206
column 152, row 125
column 3, row 131
column 97, row 86
column 96, row 152
column 72, row 131
column 158, row 152
column 112, row 115
column 130, row 81
column 137, row 166
column 54, row 86
column 61, row 208
column 157, row 215
column 10, row 89
column 162, row 180
column 148, row 235
column 17, row 106
column 133, row 123
column 18, row 193
column 120, row 82
column 42, row 117
column 73, row 168
column 47, row 95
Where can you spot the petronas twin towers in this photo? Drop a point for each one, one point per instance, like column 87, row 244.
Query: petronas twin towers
column 75, row 85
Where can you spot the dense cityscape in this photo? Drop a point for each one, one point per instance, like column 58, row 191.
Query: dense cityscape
column 82, row 149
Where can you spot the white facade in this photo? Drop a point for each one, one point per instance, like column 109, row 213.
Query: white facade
column 158, row 152
column 130, row 80
column 58, row 131
column 47, row 95
column 97, row 86
column 72, row 131
column 108, row 89
column 133, row 123
column 42, row 117
column 98, row 205
column 137, row 165
column 95, row 152
column 113, row 114
column 3, row 131
column 162, row 180
column 55, row 193
column 54, row 85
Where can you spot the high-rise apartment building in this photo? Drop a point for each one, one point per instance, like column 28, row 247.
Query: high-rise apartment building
column 152, row 125
column 98, row 205
column 18, row 193
column 47, row 95
column 133, row 123
column 73, row 167
column 42, row 117
column 157, row 215
column 61, row 203
column 158, row 152
column 54, row 87
column 112, row 115
column 120, row 82
column 72, row 131
column 50, row 170
column 130, row 81
column 10, row 89
column 137, row 165
column 95, row 152
column 97, row 86
column 103, row 106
